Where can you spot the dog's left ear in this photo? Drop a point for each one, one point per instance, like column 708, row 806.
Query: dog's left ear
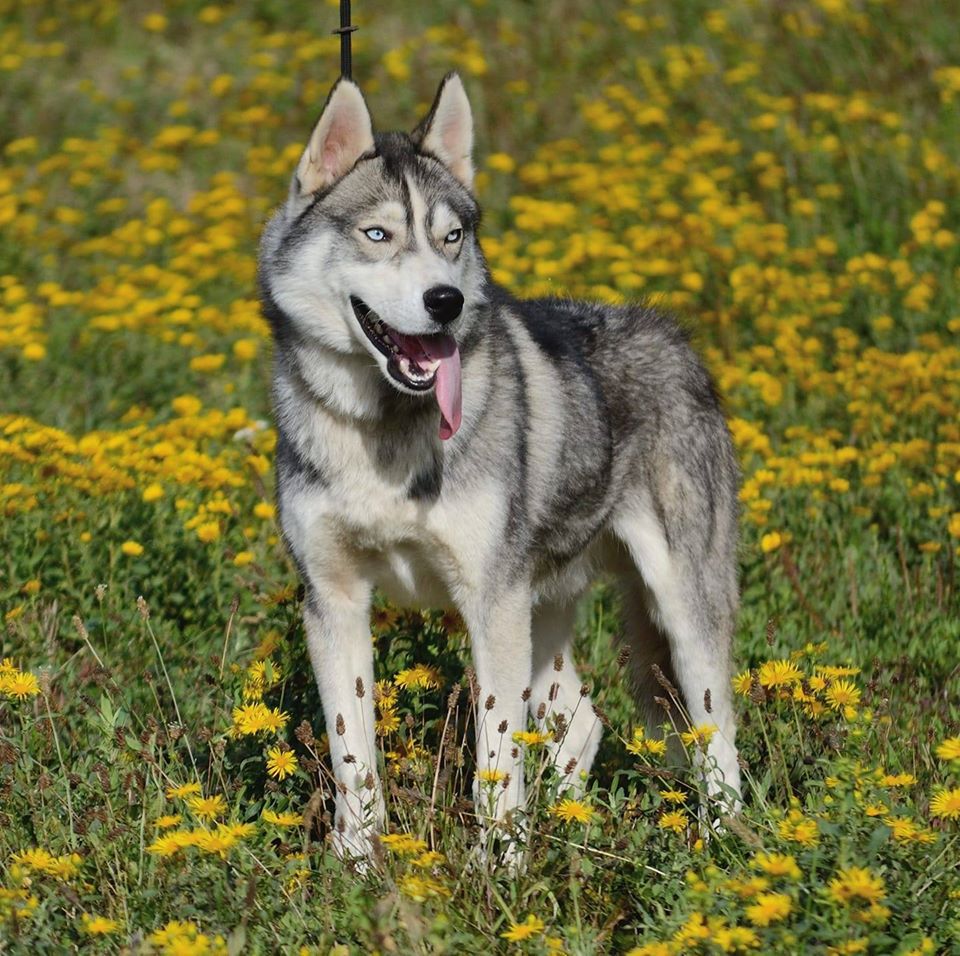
column 447, row 130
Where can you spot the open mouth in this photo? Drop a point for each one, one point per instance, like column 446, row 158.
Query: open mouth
column 408, row 360
column 418, row 362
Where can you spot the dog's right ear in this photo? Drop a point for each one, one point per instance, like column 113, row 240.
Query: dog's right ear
column 342, row 135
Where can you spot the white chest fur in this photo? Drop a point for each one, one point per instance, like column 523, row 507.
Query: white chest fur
column 363, row 523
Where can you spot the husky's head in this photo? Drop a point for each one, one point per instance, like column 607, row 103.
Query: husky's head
column 375, row 256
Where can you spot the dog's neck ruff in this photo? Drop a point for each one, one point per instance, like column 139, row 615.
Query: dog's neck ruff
column 350, row 389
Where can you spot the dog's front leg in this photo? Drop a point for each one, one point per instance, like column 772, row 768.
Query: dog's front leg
column 337, row 623
column 499, row 626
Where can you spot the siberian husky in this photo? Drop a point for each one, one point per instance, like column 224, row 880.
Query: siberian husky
column 454, row 446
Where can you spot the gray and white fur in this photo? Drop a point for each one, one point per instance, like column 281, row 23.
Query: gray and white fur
column 591, row 443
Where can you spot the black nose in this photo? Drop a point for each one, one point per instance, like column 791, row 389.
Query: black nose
column 443, row 302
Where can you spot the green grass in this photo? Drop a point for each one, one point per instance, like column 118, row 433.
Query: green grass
column 784, row 177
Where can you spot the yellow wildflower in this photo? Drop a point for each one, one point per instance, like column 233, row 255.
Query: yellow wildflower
column 531, row 926
column 98, row 925
column 779, row 673
column 184, row 790
column 769, row 908
column 946, row 803
column 857, row 883
column 949, row 749
column 207, row 808
column 281, row 763
column 570, row 810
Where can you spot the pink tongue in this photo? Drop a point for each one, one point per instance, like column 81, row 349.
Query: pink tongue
column 449, row 394
column 442, row 349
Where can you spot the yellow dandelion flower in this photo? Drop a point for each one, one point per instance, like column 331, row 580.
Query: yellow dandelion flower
column 735, row 939
column 429, row 859
column 518, row 932
column 170, row 820
column 167, row 845
column 281, row 763
column 674, row 796
column 656, row 747
column 132, row 549
column 573, row 810
column 207, row 363
column 832, row 672
column 842, row 694
column 501, row 162
column 779, row 674
column 184, row 790
column 905, row 830
column 642, row 745
column 699, row 736
column 949, row 749
column 387, row 722
column 421, row 888
column 946, row 803
column 675, row 820
column 385, row 694
column 246, row 349
column 491, row 776
column 893, row 780
column 799, row 829
column 249, row 719
column 530, row 738
column 770, row 542
column 185, row 939
column 215, row 842
column 285, row 819
column 857, row 883
column 420, row 676
column 403, row 843
column 19, row 684
column 769, row 908
column 777, row 864
column 274, row 720
column 239, row 831
column 743, row 682
column 152, row 492
column 98, row 925
column 207, row 808
column 265, row 510
column 208, row 531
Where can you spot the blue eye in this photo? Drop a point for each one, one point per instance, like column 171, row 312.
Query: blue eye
column 376, row 234
column 454, row 235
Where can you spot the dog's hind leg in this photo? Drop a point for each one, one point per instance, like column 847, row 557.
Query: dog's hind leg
column 693, row 600
column 556, row 702
column 648, row 651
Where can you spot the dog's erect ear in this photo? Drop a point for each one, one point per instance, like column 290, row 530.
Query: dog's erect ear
column 447, row 130
column 342, row 135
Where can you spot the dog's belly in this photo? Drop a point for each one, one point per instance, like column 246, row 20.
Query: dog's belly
column 406, row 578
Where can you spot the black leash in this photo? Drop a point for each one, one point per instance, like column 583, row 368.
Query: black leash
column 345, row 30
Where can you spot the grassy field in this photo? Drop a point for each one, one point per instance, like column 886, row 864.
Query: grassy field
column 783, row 176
